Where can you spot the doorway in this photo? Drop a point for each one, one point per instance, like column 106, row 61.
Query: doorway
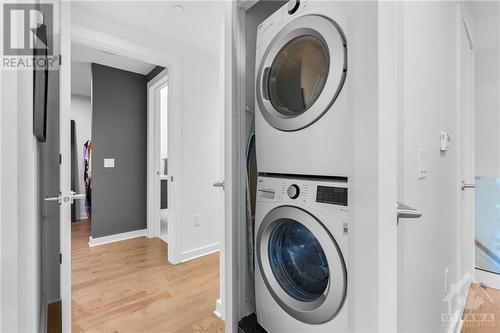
column 159, row 209
column 114, row 46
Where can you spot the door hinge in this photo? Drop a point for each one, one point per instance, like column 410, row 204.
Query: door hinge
column 60, row 159
column 60, row 258
column 60, row 59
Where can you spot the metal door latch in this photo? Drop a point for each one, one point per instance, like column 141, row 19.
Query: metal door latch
column 406, row 212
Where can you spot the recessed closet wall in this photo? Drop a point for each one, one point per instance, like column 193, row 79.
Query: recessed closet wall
column 253, row 17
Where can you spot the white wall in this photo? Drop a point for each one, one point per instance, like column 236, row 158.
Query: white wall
column 428, row 246
column 81, row 113
column 487, row 85
column 201, row 107
column 21, row 216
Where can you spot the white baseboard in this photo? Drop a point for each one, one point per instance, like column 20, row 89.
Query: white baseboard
column 491, row 280
column 200, row 252
column 219, row 309
column 457, row 323
column 116, row 238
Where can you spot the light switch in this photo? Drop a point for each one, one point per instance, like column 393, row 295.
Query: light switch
column 422, row 164
column 109, row 162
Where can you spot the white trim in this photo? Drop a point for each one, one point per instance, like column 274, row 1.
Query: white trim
column 232, row 170
column 464, row 22
column 491, row 280
column 390, row 69
column 456, row 324
column 154, row 151
column 200, row 252
column 458, row 327
column 116, row 238
column 159, row 77
column 65, row 165
column 219, row 309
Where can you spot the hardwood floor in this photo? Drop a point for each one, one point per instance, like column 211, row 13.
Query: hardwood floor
column 54, row 320
column 129, row 286
column 482, row 310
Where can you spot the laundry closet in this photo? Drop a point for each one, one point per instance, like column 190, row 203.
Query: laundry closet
column 303, row 107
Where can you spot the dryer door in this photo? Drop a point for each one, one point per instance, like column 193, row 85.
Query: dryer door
column 301, row 265
column 302, row 72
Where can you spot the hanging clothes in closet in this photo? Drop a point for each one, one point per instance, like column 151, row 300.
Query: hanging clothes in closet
column 87, row 176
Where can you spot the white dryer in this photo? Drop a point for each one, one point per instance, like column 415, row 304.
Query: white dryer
column 301, row 274
column 303, row 124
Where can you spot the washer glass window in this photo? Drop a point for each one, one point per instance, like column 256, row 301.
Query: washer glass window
column 298, row 261
column 298, row 75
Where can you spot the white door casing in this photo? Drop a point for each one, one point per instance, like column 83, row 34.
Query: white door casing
column 154, row 152
column 465, row 117
column 65, row 164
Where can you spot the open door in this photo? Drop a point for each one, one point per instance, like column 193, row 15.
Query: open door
column 59, row 196
column 67, row 196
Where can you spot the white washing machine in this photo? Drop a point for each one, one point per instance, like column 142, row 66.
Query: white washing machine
column 303, row 124
column 301, row 275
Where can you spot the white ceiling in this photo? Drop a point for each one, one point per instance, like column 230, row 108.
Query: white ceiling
column 82, row 57
column 198, row 26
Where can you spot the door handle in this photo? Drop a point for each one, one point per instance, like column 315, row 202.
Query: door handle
column 71, row 198
column 220, row 184
column 58, row 198
column 406, row 212
column 467, row 186
column 76, row 196
column 265, row 79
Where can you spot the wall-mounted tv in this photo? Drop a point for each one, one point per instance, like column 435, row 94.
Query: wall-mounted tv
column 40, row 87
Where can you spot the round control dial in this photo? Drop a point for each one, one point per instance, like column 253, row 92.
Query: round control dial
column 293, row 191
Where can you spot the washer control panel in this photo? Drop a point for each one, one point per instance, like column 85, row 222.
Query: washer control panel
column 302, row 191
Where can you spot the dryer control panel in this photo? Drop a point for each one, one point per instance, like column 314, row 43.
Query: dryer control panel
column 302, row 191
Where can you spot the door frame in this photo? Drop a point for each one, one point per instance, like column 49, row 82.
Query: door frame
column 154, row 161
column 65, row 31
column 464, row 25
column 93, row 38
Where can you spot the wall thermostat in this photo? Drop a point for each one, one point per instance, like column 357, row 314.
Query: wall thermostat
column 445, row 141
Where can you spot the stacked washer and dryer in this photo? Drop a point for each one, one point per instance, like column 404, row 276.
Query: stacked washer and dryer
column 304, row 143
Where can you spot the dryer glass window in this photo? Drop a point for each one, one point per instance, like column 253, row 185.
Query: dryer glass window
column 298, row 261
column 298, row 75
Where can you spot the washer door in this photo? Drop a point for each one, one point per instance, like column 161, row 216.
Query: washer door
column 301, row 265
column 302, row 72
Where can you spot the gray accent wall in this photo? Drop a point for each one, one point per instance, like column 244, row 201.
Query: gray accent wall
column 119, row 131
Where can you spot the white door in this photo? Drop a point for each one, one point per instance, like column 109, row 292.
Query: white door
column 466, row 156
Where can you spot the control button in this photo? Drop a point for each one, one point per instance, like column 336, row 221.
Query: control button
column 293, row 5
column 293, row 191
